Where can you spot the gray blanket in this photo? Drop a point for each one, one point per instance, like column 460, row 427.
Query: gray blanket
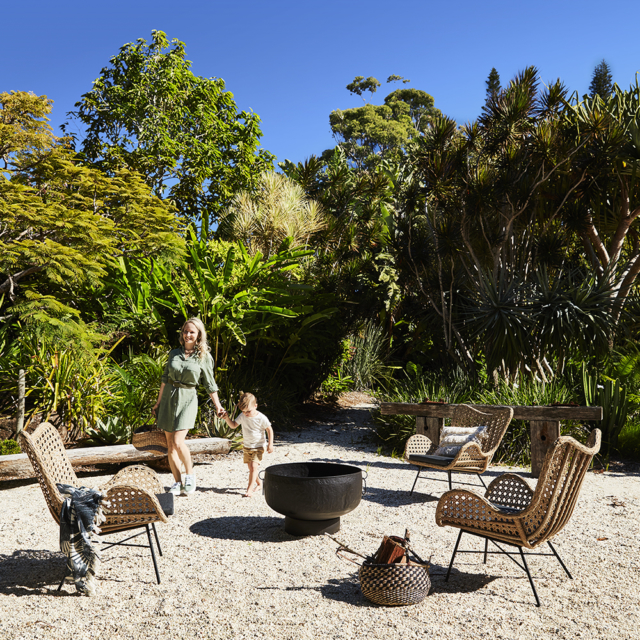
column 80, row 517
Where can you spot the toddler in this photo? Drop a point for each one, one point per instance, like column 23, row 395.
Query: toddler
column 254, row 426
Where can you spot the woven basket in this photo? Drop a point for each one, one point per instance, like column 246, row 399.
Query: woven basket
column 154, row 441
column 394, row 584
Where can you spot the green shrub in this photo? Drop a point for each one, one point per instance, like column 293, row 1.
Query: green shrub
column 415, row 386
column 629, row 439
column 9, row 447
column 111, row 432
column 363, row 364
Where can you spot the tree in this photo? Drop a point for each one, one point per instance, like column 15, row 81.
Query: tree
column 601, row 81
column 371, row 133
column 62, row 222
column 149, row 113
column 278, row 209
column 491, row 244
column 493, row 84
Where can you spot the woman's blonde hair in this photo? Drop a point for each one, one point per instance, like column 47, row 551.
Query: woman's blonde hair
column 202, row 346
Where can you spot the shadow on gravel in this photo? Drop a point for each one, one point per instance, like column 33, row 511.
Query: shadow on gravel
column 459, row 581
column 341, row 590
column 346, row 590
column 28, row 570
column 396, row 498
column 252, row 528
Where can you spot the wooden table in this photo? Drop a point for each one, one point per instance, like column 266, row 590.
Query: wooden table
column 544, row 422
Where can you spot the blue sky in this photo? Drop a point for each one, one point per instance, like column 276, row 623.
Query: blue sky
column 290, row 61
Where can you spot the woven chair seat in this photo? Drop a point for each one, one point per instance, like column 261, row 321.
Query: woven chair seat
column 439, row 461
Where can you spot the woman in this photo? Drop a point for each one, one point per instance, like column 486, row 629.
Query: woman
column 178, row 407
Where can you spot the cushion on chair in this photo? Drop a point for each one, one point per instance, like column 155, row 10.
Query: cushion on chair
column 438, row 461
column 454, row 437
column 166, row 502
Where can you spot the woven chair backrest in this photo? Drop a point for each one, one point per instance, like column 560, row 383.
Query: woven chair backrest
column 50, row 463
column 561, row 478
column 495, row 419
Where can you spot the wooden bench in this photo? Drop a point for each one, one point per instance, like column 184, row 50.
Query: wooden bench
column 544, row 422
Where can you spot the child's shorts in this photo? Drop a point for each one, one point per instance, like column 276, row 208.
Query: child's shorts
column 249, row 455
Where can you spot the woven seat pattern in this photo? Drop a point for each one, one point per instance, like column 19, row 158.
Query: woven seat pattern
column 130, row 507
column 536, row 516
column 137, row 475
column 472, row 457
column 394, row 584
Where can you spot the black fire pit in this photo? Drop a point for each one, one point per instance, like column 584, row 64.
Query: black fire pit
column 312, row 495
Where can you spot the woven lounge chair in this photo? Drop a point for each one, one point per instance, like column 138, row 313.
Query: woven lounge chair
column 472, row 457
column 131, row 492
column 514, row 514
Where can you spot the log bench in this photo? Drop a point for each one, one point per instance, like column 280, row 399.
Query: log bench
column 544, row 422
column 19, row 465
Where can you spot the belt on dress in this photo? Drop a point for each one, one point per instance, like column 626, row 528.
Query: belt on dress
column 179, row 385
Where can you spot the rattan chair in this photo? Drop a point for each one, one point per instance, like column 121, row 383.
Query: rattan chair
column 514, row 514
column 472, row 457
column 131, row 492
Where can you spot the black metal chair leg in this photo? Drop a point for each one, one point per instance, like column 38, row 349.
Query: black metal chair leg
column 455, row 550
column 526, row 568
column 416, row 480
column 481, row 480
column 153, row 553
column 450, row 485
column 555, row 553
column 66, row 573
column 486, row 546
column 155, row 533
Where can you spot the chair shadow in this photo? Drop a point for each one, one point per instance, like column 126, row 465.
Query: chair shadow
column 29, row 571
column 245, row 528
column 396, row 498
column 223, row 492
column 459, row 581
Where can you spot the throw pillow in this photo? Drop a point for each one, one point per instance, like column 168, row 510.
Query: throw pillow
column 454, row 437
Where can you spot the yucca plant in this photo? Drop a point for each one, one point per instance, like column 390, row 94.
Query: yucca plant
column 612, row 397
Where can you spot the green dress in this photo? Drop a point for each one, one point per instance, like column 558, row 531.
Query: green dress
column 179, row 403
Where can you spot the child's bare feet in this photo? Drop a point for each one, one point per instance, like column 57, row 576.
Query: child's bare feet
column 252, row 489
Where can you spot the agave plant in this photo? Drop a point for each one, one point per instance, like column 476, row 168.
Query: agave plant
column 110, row 432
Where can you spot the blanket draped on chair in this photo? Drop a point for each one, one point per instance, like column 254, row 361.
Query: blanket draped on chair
column 80, row 517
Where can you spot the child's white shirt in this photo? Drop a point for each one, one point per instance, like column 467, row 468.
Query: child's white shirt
column 253, row 430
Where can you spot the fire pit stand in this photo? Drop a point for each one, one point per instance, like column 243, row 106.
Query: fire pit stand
column 312, row 496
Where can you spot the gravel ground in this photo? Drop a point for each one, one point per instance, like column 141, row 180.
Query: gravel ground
column 230, row 571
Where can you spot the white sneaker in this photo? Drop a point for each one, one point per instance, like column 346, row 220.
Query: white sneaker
column 189, row 484
column 176, row 487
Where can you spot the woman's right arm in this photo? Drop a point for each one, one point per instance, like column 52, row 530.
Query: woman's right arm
column 157, row 404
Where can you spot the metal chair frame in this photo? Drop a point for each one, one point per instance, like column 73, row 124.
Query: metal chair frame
column 524, row 566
